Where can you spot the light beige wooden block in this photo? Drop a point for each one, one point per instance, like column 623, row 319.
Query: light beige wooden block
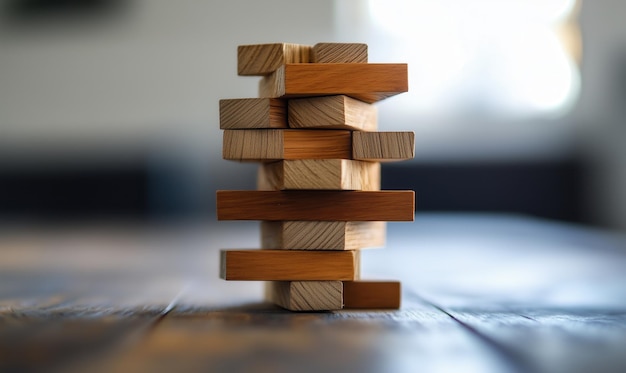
column 275, row 144
column 306, row 295
column 339, row 112
column 339, row 53
column 263, row 59
column 368, row 82
column 330, row 174
column 383, row 146
column 322, row 235
column 250, row 113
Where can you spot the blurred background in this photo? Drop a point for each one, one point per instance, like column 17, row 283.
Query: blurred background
column 109, row 108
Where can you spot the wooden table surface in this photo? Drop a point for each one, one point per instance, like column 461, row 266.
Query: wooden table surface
column 481, row 293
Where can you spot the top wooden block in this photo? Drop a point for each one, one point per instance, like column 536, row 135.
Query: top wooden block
column 368, row 82
column 339, row 53
column 263, row 59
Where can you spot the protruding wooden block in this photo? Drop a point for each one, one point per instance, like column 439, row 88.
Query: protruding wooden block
column 396, row 205
column 263, row 59
column 371, row 294
column 282, row 265
column 339, row 112
column 330, row 174
column 265, row 145
column 383, row 146
column 322, row 235
column 330, row 296
column 363, row 81
column 306, row 295
column 339, row 53
column 250, row 113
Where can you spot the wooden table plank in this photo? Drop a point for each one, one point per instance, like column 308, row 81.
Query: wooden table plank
column 77, row 299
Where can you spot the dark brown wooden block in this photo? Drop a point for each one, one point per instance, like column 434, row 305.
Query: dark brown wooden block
column 316, row 205
column 363, row 81
column 282, row 265
column 371, row 294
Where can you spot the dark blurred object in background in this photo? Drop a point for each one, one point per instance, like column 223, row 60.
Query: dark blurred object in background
column 27, row 12
column 552, row 190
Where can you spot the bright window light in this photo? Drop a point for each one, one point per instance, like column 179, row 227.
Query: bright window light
column 489, row 57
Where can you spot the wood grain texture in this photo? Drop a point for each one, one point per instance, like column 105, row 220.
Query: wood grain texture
column 282, row 265
column 250, row 113
column 383, row 146
column 339, row 53
column 316, row 205
column 274, row 144
column 263, row 59
column 371, row 294
column 363, row 81
column 338, row 112
column 305, row 295
column 329, row 174
column 322, row 235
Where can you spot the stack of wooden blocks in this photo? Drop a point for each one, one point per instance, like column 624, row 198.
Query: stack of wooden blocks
column 314, row 132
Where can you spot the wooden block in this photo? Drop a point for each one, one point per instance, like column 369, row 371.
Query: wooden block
column 339, row 53
column 330, row 174
column 338, row 112
column 383, row 146
column 263, row 59
column 264, row 145
column 322, row 235
column 371, row 294
column 305, row 295
column 250, row 113
column 316, row 205
column 363, row 81
column 329, row 295
column 282, row 265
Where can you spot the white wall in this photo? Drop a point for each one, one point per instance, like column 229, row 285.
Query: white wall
column 145, row 82
column 152, row 73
